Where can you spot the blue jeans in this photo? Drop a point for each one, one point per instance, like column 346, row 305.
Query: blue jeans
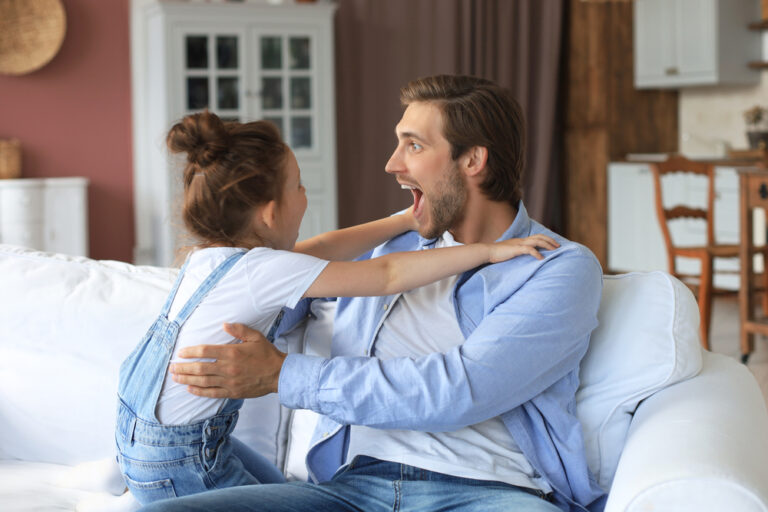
column 368, row 485
column 165, row 461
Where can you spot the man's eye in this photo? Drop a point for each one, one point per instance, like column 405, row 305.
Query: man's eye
column 415, row 146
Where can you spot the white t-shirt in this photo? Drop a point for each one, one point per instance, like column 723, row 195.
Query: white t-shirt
column 420, row 322
column 252, row 292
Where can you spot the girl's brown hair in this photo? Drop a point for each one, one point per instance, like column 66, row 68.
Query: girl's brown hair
column 231, row 169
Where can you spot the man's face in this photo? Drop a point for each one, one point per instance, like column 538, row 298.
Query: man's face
column 422, row 163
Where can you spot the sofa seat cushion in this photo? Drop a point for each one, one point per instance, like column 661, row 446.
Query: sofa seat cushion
column 34, row 486
column 647, row 339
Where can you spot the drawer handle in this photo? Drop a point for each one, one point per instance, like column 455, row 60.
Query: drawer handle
column 671, row 71
column 763, row 191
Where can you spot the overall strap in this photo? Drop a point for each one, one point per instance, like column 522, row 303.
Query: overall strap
column 210, row 281
column 172, row 295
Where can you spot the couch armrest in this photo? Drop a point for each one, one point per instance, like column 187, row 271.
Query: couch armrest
column 698, row 445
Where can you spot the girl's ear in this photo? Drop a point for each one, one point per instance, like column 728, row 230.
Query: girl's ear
column 474, row 160
column 267, row 214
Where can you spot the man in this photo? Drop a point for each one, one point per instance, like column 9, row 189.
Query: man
column 458, row 395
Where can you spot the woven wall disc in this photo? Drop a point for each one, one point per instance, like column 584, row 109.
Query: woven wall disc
column 31, row 33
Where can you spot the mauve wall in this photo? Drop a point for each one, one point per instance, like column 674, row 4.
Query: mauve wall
column 73, row 118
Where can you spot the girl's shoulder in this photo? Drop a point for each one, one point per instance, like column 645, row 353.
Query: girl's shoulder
column 210, row 256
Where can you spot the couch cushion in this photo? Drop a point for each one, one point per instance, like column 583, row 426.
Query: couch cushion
column 647, row 339
column 66, row 324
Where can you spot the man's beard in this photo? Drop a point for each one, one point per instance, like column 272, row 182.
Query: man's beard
column 446, row 203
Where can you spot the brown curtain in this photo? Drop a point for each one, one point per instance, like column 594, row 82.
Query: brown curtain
column 382, row 44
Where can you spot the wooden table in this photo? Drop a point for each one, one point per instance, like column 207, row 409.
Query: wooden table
column 753, row 189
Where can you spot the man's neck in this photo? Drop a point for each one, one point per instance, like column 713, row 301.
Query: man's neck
column 484, row 221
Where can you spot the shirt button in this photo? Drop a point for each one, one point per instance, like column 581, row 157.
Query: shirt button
column 385, row 307
column 325, row 434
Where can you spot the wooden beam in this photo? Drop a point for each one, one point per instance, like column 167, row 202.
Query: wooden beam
column 605, row 117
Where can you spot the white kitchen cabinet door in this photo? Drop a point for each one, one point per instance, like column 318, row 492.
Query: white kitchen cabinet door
column 655, row 50
column 681, row 43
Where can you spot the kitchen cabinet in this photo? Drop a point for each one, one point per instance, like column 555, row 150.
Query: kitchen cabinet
column 48, row 214
column 244, row 61
column 635, row 242
column 681, row 43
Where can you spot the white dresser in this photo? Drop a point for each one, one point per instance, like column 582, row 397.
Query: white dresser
column 49, row 214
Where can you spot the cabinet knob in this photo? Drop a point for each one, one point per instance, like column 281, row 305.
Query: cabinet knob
column 763, row 191
column 671, row 71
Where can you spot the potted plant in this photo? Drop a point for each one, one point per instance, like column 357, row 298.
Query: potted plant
column 757, row 134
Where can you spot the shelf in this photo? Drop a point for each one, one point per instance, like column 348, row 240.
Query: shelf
column 748, row 154
column 759, row 25
column 758, row 64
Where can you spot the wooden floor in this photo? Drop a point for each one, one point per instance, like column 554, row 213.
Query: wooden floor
column 724, row 336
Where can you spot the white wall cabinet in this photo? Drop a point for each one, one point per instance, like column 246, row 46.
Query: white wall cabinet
column 635, row 241
column 680, row 43
column 243, row 61
column 48, row 214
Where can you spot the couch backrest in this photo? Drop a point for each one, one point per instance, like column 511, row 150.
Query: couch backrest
column 66, row 324
column 647, row 339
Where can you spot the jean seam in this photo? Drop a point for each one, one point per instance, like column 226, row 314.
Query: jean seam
column 396, row 488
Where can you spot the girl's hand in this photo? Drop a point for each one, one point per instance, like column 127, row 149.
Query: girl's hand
column 508, row 249
column 410, row 219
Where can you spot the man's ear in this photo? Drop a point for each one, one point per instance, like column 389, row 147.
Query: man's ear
column 474, row 160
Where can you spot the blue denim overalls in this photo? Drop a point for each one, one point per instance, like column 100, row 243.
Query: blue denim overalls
column 163, row 461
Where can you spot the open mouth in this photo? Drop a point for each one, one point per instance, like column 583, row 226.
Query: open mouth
column 418, row 199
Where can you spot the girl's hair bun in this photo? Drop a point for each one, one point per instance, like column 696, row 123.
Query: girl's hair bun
column 203, row 137
column 231, row 169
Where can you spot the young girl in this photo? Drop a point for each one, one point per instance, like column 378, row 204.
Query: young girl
column 244, row 200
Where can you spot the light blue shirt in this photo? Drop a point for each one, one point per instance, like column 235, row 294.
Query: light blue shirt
column 527, row 324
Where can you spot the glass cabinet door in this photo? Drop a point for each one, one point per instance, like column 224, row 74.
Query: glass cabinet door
column 213, row 76
column 286, row 86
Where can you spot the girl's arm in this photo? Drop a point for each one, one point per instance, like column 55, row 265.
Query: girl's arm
column 349, row 243
column 399, row 272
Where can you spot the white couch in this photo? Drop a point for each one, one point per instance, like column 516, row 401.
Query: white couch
column 668, row 426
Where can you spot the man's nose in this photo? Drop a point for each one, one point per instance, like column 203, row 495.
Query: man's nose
column 395, row 162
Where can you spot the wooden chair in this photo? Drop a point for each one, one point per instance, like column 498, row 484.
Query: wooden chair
column 701, row 284
column 753, row 185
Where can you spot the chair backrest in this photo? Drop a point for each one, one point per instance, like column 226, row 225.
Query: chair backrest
column 678, row 165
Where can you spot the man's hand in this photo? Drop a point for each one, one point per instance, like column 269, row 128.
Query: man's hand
column 242, row 370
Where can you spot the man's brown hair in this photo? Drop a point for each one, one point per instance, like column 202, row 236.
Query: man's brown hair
column 478, row 112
